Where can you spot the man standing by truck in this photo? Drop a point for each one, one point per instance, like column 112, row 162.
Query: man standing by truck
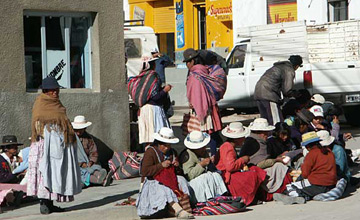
column 276, row 80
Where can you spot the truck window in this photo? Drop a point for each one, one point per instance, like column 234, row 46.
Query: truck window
column 133, row 47
column 237, row 57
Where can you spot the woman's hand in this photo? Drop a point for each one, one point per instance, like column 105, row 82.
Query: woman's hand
column 205, row 162
column 166, row 163
column 175, row 163
column 246, row 159
column 167, row 88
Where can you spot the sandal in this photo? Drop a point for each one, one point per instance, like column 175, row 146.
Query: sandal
column 188, row 216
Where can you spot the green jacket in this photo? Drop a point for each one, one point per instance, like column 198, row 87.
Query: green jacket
column 191, row 167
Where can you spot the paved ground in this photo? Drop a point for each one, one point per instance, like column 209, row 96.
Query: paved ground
column 99, row 202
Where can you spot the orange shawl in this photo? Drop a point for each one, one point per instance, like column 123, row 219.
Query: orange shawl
column 48, row 110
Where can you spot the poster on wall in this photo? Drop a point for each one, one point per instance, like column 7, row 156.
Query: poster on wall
column 281, row 11
column 180, row 32
column 220, row 9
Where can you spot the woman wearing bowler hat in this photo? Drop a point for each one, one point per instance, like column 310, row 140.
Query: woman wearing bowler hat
column 54, row 173
column 9, row 148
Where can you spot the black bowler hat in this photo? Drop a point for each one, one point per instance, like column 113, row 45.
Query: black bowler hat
column 9, row 140
column 189, row 54
column 50, row 83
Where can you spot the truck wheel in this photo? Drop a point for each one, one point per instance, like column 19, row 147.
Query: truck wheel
column 352, row 114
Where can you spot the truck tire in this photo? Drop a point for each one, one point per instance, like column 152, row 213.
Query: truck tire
column 352, row 114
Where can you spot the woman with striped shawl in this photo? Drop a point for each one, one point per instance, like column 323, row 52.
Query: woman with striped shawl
column 205, row 85
column 146, row 92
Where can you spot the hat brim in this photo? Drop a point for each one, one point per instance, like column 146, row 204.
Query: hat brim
column 318, row 114
column 310, row 141
column 328, row 141
column 245, row 133
column 166, row 140
column 268, row 128
column 8, row 144
column 195, row 146
column 81, row 125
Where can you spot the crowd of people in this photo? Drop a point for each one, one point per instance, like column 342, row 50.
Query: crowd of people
column 293, row 153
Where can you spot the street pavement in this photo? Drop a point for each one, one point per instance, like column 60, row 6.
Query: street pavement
column 99, row 203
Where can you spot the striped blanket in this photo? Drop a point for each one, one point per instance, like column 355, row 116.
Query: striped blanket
column 142, row 87
column 215, row 82
column 219, row 206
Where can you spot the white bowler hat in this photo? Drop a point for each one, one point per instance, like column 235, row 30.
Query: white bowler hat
column 318, row 99
column 235, row 130
column 166, row 135
column 317, row 110
column 80, row 122
column 325, row 138
column 261, row 124
column 196, row 140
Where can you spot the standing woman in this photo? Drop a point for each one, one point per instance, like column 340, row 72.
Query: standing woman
column 150, row 97
column 54, row 173
column 202, row 95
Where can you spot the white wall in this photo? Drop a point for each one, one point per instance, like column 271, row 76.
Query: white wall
column 354, row 9
column 312, row 11
column 248, row 13
column 126, row 10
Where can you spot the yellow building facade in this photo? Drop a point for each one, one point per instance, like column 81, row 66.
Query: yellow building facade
column 183, row 24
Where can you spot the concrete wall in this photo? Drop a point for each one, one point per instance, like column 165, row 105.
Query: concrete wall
column 354, row 9
column 248, row 13
column 313, row 12
column 106, row 104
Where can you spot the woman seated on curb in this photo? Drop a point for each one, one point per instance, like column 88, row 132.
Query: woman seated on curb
column 161, row 188
column 255, row 147
column 195, row 161
column 240, row 180
column 342, row 167
column 318, row 173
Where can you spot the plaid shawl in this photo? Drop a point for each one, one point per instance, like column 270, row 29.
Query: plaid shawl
column 142, row 87
column 215, row 82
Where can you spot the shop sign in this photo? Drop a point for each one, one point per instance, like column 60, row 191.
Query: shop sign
column 221, row 10
column 180, row 31
column 283, row 12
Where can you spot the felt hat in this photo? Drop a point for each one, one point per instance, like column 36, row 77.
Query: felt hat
column 325, row 138
column 318, row 99
column 166, row 135
column 80, row 122
column 305, row 115
column 309, row 137
column 317, row 110
column 9, row 140
column 196, row 140
column 190, row 54
column 261, row 124
column 235, row 130
column 50, row 83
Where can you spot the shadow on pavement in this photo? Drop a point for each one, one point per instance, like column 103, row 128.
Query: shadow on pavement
column 101, row 202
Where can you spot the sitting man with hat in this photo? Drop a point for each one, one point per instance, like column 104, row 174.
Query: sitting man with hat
column 91, row 171
column 195, row 162
column 9, row 148
column 255, row 146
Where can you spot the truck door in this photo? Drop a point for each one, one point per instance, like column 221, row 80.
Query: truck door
column 236, row 93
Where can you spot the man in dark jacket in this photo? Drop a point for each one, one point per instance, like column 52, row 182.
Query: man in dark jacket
column 10, row 150
column 161, row 63
column 276, row 80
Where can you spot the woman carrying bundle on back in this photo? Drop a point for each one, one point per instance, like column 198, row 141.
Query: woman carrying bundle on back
column 146, row 92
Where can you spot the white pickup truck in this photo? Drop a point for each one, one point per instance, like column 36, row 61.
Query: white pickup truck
column 331, row 61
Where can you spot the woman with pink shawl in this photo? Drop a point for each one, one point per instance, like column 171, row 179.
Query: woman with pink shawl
column 202, row 91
